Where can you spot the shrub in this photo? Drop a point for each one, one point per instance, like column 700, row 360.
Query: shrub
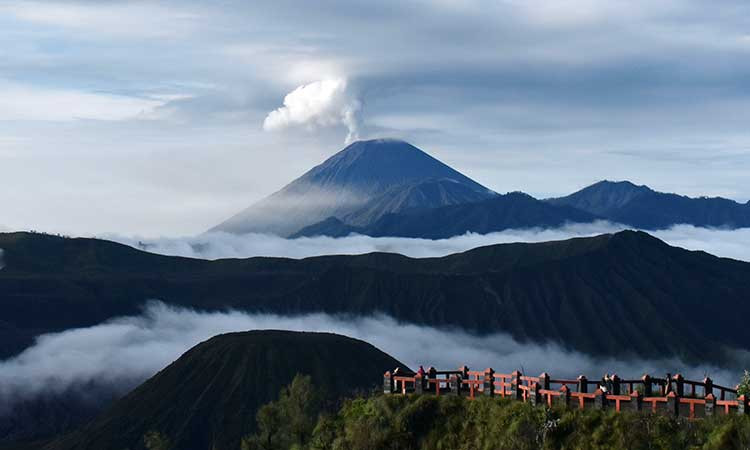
column 744, row 387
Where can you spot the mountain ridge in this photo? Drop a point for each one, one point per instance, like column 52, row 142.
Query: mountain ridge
column 648, row 298
column 642, row 207
column 515, row 210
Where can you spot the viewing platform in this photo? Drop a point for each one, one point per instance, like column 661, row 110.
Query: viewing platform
column 670, row 395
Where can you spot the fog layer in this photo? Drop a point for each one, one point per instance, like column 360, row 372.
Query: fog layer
column 727, row 243
column 123, row 352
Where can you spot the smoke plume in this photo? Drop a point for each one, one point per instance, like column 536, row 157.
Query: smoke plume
column 125, row 351
column 319, row 104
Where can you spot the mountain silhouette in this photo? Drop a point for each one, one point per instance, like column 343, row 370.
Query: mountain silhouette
column 209, row 397
column 642, row 207
column 501, row 212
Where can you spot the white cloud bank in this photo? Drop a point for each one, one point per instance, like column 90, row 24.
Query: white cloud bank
column 319, row 104
column 22, row 102
column 125, row 351
column 727, row 243
column 138, row 20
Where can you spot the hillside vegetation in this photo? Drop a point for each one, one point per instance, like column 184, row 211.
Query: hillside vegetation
column 457, row 423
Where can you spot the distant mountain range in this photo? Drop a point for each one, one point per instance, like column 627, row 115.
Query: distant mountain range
column 501, row 212
column 615, row 295
column 387, row 187
column 641, row 207
column 209, row 397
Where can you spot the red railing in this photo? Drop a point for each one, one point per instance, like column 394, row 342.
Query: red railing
column 672, row 395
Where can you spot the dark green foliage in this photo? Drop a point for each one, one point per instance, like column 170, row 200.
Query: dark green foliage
column 153, row 440
column 453, row 423
column 744, row 387
column 289, row 421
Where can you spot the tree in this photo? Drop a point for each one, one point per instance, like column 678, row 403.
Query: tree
column 153, row 440
column 744, row 387
column 288, row 422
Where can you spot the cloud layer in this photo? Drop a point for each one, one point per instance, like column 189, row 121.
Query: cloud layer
column 127, row 350
column 319, row 104
column 727, row 243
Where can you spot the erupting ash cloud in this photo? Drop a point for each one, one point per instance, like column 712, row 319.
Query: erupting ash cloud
column 319, row 104
column 727, row 243
column 125, row 351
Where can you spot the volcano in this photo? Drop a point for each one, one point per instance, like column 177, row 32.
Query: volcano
column 358, row 185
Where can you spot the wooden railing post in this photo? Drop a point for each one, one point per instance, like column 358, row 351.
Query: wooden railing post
column 583, row 385
column 489, row 382
column 564, row 398
column 515, row 381
column 710, row 404
column 636, row 401
column 387, row 383
column 708, row 387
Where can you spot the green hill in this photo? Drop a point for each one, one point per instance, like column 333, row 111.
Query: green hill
column 618, row 294
column 209, row 397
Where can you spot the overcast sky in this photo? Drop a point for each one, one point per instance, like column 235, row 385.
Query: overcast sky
column 153, row 117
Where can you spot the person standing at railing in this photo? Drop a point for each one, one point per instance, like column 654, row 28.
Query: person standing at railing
column 668, row 384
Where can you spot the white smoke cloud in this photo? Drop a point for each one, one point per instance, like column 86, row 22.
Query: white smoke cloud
column 319, row 104
column 130, row 349
column 727, row 243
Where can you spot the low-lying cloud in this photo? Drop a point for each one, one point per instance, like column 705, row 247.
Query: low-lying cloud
column 125, row 351
column 727, row 243
column 319, row 104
